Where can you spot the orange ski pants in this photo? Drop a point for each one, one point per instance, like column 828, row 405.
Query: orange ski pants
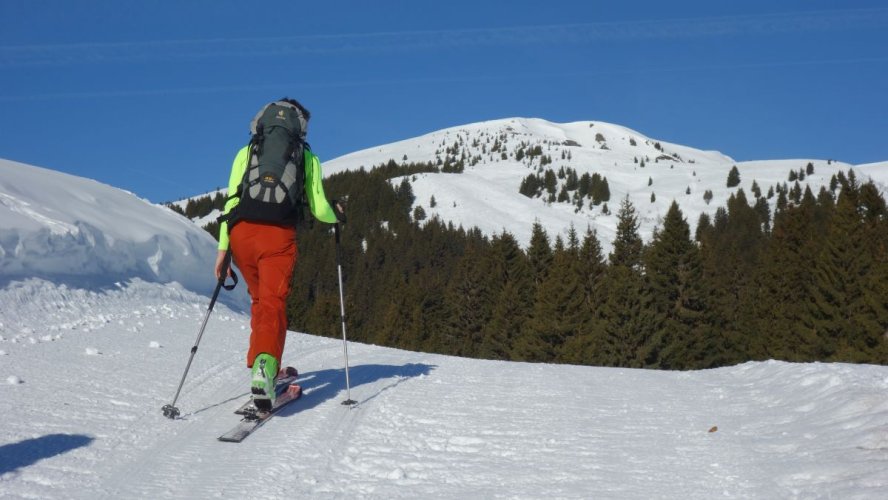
column 265, row 255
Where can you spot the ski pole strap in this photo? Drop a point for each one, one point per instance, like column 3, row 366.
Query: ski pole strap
column 234, row 284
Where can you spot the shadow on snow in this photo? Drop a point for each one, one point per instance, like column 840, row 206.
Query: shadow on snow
column 30, row 451
column 323, row 385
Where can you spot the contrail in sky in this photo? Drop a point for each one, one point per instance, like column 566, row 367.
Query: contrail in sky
column 449, row 78
column 418, row 41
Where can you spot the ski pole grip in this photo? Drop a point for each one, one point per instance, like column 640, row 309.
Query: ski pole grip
column 339, row 210
column 226, row 271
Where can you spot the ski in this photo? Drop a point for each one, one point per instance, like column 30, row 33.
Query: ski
column 286, row 377
column 253, row 419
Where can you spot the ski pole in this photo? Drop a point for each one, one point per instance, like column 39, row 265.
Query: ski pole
column 170, row 410
column 349, row 401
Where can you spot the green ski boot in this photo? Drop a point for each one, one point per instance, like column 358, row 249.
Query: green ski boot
column 265, row 369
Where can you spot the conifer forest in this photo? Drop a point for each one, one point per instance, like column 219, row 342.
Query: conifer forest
column 808, row 282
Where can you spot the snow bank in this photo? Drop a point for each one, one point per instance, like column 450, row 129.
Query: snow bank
column 67, row 229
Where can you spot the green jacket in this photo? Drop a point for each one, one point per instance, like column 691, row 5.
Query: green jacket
column 314, row 190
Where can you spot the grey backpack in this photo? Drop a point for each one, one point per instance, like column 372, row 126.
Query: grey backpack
column 273, row 184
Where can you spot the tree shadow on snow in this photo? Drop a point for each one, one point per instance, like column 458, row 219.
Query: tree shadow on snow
column 30, row 451
column 323, row 385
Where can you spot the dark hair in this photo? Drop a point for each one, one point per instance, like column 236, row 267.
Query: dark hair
column 296, row 103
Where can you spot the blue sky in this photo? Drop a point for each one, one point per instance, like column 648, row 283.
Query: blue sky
column 156, row 96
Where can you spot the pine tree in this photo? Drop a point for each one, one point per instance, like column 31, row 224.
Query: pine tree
column 875, row 283
column 512, row 285
column 419, row 213
column 550, row 181
column 704, row 228
column 731, row 259
column 579, row 349
column 471, row 298
column 558, row 306
column 624, row 318
column 707, row 196
column 599, row 189
column 733, row 177
column 539, row 253
column 784, row 328
column 678, row 336
column 845, row 321
column 627, row 242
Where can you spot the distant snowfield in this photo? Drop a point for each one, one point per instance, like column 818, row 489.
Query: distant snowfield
column 102, row 295
column 486, row 195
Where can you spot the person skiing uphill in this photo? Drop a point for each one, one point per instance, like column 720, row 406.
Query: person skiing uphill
column 271, row 179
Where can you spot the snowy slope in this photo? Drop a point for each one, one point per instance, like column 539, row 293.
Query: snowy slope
column 486, row 194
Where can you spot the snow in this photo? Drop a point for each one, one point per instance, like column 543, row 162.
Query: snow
column 425, row 426
column 101, row 298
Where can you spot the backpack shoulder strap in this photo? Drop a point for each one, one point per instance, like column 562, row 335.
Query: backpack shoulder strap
column 238, row 170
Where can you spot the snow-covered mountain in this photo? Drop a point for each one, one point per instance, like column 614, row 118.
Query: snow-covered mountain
column 486, row 195
column 102, row 295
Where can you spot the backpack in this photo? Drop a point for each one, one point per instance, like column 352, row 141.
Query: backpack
column 272, row 189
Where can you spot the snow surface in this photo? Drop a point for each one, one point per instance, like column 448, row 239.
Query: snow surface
column 101, row 298
column 81, row 425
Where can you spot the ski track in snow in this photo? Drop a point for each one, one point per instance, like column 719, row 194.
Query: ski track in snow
column 425, row 426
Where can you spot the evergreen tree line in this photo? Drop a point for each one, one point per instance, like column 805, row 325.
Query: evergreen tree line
column 808, row 284
column 202, row 206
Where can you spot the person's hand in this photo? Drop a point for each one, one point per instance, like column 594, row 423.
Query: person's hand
column 340, row 210
column 220, row 260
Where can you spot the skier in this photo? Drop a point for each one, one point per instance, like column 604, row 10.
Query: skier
column 262, row 240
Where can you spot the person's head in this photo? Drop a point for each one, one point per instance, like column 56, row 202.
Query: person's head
column 304, row 115
column 302, row 109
